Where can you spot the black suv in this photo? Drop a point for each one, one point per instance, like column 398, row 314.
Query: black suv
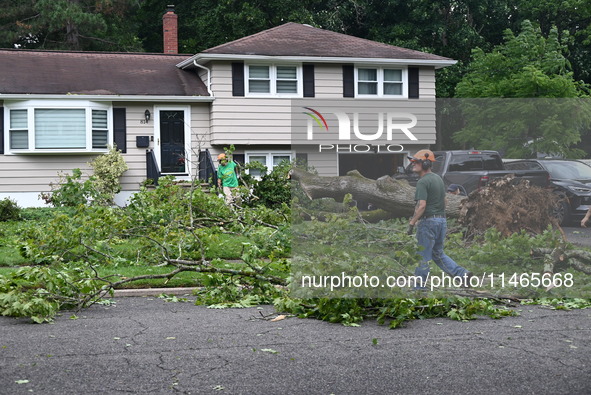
column 570, row 179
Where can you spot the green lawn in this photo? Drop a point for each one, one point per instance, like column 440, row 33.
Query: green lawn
column 228, row 247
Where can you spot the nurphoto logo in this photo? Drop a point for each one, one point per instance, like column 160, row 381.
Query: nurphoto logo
column 392, row 121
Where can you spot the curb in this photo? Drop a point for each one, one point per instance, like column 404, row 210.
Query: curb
column 122, row 293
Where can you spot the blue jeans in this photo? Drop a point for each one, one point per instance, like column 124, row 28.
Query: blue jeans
column 431, row 235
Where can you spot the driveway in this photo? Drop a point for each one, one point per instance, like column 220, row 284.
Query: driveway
column 149, row 346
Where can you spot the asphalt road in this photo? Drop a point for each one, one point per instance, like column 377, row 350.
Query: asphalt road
column 578, row 235
column 149, row 346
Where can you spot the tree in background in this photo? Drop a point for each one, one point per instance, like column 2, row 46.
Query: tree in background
column 528, row 65
column 450, row 28
column 206, row 23
column 90, row 25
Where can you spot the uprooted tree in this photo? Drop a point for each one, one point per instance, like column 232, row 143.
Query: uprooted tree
column 508, row 204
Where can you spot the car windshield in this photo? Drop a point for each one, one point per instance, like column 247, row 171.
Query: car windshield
column 568, row 170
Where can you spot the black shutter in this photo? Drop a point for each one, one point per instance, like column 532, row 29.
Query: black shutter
column 239, row 158
column 238, row 79
column 308, row 70
column 1, row 130
column 348, row 80
column 120, row 129
column 413, row 82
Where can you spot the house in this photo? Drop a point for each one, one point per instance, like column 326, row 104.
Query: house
column 60, row 108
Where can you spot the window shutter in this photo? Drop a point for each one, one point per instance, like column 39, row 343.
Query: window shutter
column 1, row 130
column 348, row 80
column 413, row 82
column 238, row 79
column 239, row 158
column 120, row 129
column 308, row 71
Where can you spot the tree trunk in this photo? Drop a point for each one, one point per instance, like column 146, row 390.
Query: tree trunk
column 394, row 196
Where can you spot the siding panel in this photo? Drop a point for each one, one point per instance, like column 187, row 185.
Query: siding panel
column 34, row 173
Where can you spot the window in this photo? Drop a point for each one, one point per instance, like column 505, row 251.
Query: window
column 393, row 82
column 42, row 127
column 381, row 82
column 287, row 79
column 273, row 80
column 18, row 129
column 467, row 162
column 367, row 81
column 267, row 159
column 259, row 79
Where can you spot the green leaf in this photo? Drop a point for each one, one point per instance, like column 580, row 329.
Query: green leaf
column 21, row 381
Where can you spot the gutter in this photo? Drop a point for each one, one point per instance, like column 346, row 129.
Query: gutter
column 111, row 98
column 205, row 57
column 208, row 76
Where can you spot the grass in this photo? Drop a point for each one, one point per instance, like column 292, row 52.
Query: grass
column 228, row 247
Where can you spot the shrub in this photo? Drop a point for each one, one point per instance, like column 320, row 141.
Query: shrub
column 274, row 188
column 70, row 190
column 108, row 168
column 9, row 210
column 99, row 189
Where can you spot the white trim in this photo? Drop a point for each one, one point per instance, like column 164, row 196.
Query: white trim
column 273, row 81
column 205, row 57
column 109, row 98
column 32, row 199
column 32, row 105
column 380, row 81
column 269, row 156
column 157, row 145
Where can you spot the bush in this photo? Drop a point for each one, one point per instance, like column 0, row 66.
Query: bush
column 99, row 189
column 9, row 210
column 274, row 188
column 108, row 169
column 70, row 191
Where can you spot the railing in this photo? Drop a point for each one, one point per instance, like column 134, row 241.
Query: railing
column 207, row 170
column 152, row 167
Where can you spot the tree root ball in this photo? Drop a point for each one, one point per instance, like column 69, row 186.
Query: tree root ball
column 510, row 205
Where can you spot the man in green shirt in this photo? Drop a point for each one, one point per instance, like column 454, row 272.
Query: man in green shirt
column 430, row 210
column 227, row 179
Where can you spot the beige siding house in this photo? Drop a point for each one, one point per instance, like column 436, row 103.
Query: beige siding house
column 60, row 109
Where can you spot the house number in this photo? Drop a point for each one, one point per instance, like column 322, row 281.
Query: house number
column 143, row 122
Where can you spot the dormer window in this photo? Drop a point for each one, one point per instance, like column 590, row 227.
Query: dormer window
column 274, row 80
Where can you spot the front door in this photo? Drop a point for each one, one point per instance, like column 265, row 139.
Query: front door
column 172, row 142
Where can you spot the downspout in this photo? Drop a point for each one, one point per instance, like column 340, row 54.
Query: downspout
column 208, row 76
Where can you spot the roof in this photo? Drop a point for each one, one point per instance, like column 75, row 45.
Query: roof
column 294, row 39
column 96, row 73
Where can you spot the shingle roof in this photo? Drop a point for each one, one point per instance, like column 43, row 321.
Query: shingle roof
column 294, row 39
column 96, row 73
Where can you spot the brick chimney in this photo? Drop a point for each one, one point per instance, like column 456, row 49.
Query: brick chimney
column 170, row 27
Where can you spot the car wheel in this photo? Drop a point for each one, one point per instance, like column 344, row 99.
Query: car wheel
column 561, row 210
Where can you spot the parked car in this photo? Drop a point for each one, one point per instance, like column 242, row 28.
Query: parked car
column 473, row 169
column 569, row 179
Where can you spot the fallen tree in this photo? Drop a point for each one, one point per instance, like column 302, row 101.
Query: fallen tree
column 508, row 204
column 561, row 258
column 394, row 196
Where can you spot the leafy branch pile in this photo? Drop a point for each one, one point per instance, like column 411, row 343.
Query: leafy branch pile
column 167, row 226
column 178, row 229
